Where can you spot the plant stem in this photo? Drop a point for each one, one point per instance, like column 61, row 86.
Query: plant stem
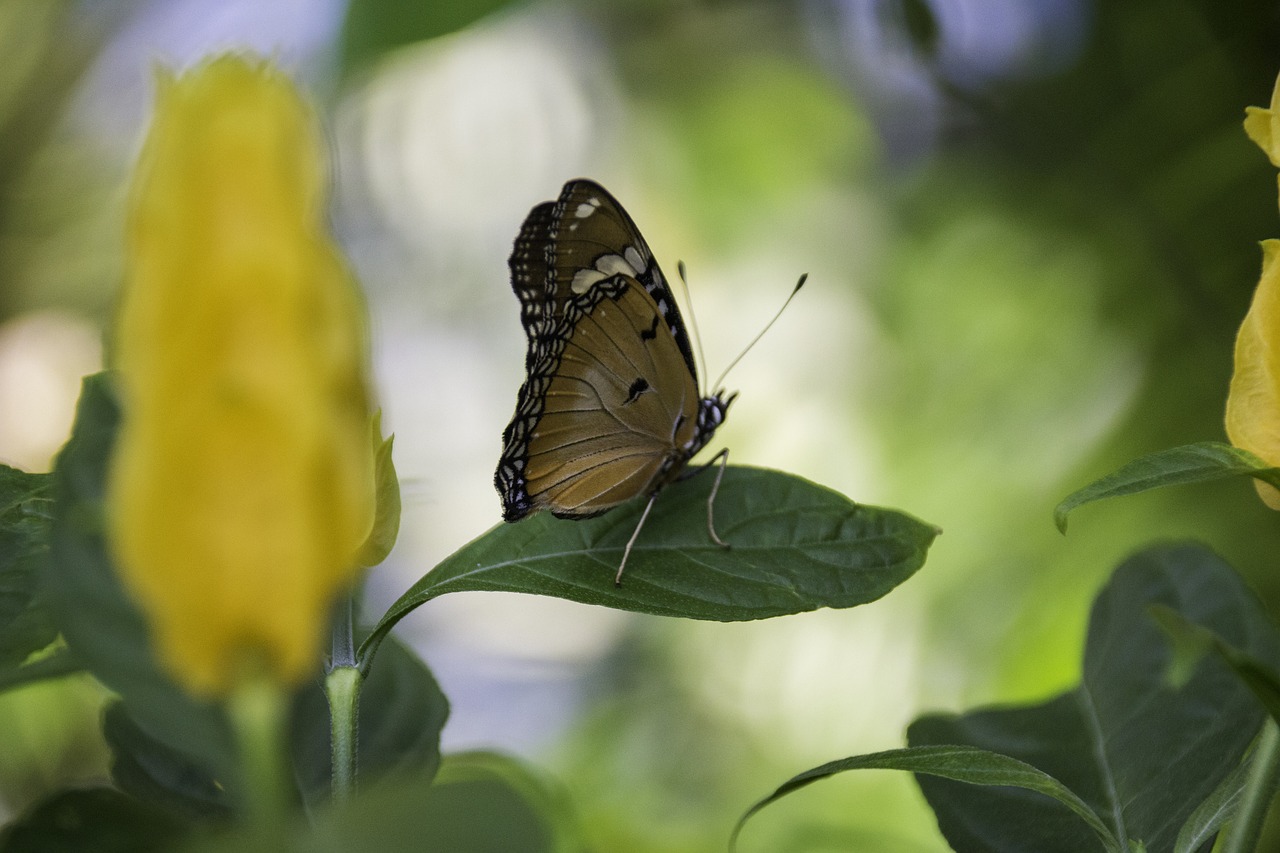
column 342, row 688
column 1264, row 772
column 257, row 709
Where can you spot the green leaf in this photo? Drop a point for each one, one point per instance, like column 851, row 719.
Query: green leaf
column 155, row 773
column 97, row 820
column 386, row 523
column 795, row 546
column 1143, row 753
column 376, row 27
column 26, row 626
column 959, row 763
column 102, row 626
column 402, row 712
column 1256, row 669
column 56, row 664
column 1191, row 463
column 1218, row 808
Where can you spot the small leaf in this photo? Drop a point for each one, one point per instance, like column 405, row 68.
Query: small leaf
column 1191, row 463
column 795, row 546
column 386, row 522
column 26, row 626
column 959, row 763
column 402, row 712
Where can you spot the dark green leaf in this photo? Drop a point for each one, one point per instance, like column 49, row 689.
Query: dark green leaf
column 98, row 820
column 962, row 764
column 100, row 622
column 1141, row 752
column 155, row 773
column 1218, row 808
column 375, row 27
column 1191, row 463
column 26, row 626
column 1191, row 642
column 401, row 714
column 796, row 546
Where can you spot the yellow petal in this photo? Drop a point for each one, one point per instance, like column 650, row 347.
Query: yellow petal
column 1253, row 403
column 1263, row 126
column 242, row 480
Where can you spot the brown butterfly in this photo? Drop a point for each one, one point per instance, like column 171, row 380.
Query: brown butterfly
column 610, row 408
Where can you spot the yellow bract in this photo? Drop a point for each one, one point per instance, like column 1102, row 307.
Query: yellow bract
column 242, row 483
column 1253, row 404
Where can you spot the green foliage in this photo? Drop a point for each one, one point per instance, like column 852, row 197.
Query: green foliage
column 1127, row 756
column 377, row 27
column 1192, row 463
column 25, row 626
column 794, row 546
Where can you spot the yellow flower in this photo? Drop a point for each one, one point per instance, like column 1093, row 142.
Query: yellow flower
column 242, row 486
column 1253, row 403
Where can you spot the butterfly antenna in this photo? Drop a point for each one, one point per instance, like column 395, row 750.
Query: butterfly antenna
column 719, row 384
column 693, row 318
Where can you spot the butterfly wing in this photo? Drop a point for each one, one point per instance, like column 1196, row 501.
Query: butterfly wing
column 610, row 407
column 581, row 239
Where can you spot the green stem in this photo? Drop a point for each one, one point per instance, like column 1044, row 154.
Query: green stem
column 1264, row 772
column 342, row 686
column 257, row 708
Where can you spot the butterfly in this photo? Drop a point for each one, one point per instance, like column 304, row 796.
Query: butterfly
column 610, row 409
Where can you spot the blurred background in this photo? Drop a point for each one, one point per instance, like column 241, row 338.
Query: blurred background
column 1031, row 232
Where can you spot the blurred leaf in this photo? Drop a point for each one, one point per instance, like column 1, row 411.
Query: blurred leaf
column 97, row 820
column 401, row 714
column 26, row 626
column 375, row 27
column 479, row 804
column 1144, row 755
column 1194, row 642
column 156, row 774
column 386, row 524
column 58, row 663
column 1191, row 463
column 795, row 546
column 962, row 764
column 100, row 622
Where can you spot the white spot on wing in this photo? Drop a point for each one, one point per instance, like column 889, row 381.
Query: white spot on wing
column 615, row 264
column 584, row 280
column 633, row 258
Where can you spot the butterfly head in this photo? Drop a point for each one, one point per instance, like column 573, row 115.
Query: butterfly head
column 711, row 414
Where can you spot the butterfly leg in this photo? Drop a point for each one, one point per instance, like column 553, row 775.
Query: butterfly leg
column 723, row 456
column 626, row 552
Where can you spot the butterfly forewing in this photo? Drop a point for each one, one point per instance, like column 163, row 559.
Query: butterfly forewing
column 610, row 408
